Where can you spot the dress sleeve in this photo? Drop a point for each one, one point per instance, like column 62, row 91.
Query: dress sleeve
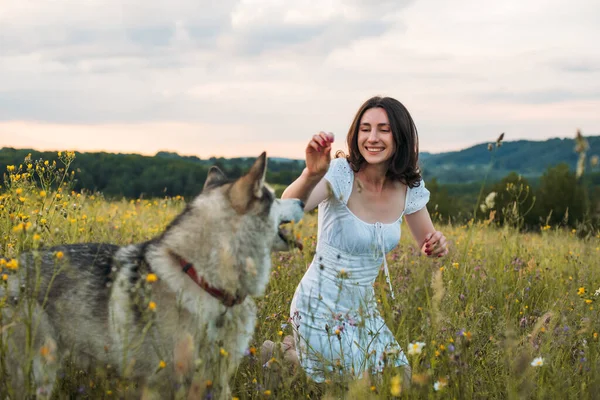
column 417, row 198
column 339, row 175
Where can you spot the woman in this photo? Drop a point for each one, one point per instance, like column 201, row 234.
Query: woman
column 362, row 200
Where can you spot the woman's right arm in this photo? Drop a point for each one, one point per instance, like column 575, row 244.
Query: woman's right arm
column 310, row 187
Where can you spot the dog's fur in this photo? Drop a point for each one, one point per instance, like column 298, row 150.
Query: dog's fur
column 93, row 304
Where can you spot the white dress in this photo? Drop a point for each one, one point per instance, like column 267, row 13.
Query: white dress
column 337, row 326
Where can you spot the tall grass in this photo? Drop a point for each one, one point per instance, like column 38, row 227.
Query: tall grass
column 505, row 315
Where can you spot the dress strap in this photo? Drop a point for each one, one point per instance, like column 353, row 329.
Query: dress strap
column 381, row 244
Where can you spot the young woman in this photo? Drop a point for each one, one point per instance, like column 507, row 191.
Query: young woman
column 362, row 200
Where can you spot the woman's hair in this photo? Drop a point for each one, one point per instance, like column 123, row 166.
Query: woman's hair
column 403, row 163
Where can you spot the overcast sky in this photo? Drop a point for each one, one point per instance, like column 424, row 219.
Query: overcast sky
column 234, row 78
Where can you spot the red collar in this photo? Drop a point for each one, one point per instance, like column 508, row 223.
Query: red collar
column 226, row 298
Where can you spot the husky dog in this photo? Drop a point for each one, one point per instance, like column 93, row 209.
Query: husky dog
column 173, row 315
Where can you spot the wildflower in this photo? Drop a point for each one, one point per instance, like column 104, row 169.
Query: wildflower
column 267, row 392
column 162, row 364
column 223, row 352
column 208, row 383
column 151, row 278
column 373, row 389
column 490, row 200
column 395, row 387
column 59, row 255
column 42, row 193
column 252, row 350
column 4, row 277
column 36, row 237
column 152, row 306
column 415, row 348
column 597, row 293
column 12, row 264
column 581, row 291
column 440, row 384
column 588, row 301
column 537, row 362
column 455, row 264
column 595, row 335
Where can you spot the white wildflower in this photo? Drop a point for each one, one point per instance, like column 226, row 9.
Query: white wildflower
column 537, row 362
column 415, row 348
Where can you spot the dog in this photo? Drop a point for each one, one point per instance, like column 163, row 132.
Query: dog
column 173, row 315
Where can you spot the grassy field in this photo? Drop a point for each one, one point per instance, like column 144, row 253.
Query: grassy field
column 504, row 315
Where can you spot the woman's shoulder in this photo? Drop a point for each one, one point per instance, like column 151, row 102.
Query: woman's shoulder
column 339, row 166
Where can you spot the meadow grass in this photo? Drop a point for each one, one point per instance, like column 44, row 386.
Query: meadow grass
column 504, row 315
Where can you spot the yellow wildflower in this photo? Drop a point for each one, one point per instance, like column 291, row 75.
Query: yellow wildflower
column 59, row 254
column 395, row 387
column 162, row 364
column 12, row 264
column 152, row 306
column 151, row 278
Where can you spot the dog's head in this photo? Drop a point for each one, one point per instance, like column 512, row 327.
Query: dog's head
column 229, row 231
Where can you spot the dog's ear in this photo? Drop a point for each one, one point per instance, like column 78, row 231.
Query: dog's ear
column 214, row 178
column 250, row 186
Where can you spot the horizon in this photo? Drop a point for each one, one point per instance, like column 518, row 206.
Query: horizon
column 245, row 76
column 180, row 154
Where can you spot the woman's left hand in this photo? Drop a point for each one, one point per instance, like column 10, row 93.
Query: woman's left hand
column 435, row 245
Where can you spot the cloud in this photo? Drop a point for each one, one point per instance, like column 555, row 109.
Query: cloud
column 285, row 69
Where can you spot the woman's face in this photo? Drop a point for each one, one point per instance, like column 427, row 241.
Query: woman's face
column 375, row 138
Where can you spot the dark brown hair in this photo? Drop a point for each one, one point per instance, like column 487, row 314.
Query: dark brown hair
column 403, row 163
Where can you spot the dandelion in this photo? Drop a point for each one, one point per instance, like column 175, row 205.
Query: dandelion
column 59, row 255
column 415, row 348
column 581, row 291
column 537, row 362
column 151, row 278
column 395, row 387
column 152, row 306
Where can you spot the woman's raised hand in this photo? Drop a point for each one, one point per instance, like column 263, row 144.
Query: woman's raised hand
column 318, row 153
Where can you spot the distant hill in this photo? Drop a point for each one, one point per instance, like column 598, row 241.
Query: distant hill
column 526, row 157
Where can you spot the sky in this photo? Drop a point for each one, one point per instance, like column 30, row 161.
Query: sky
column 234, row 78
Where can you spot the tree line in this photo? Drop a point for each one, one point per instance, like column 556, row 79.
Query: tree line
column 556, row 198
